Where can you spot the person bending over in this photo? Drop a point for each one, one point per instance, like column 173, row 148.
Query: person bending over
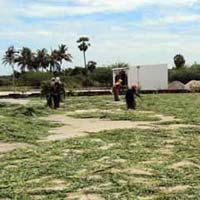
column 130, row 97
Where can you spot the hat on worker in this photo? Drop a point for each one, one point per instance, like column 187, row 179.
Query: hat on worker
column 57, row 79
column 134, row 86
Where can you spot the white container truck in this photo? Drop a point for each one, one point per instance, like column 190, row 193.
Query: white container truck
column 147, row 77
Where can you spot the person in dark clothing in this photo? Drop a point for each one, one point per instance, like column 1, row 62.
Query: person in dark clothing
column 62, row 92
column 49, row 93
column 56, row 96
column 55, row 93
column 130, row 97
column 49, row 99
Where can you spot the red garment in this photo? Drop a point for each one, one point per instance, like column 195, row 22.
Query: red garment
column 116, row 89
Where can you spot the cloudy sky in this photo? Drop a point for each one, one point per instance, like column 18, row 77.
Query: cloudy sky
column 131, row 31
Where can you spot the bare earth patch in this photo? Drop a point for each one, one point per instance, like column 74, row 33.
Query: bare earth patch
column 39, row 180
column 92, row 110
column 66, row 152
column 95, row 177
column 147, row 198
column 139, row 171
column 108, row 146
column 166, row 151
column 133, row 171
column 53, row 185
column 7, row 147
column 80, row 196
column 175, row 189
column 183, row 163
column 74, row 127
column 81, row 127
column 153, row 160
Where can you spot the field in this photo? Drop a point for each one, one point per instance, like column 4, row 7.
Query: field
column 150, row 153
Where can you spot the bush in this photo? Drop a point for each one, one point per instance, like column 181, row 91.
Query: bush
column 184, row 75
column 34, row 79
column 45, row 88
column 103, row 76
column 5, row 80
column 72, row 78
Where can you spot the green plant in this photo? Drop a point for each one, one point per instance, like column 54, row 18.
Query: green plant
column 45, row 88
column 10, row 58
column 184, row 75
column 83, row 46
column 179, row 61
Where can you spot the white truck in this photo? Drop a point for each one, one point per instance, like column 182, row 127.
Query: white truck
column 147, row 77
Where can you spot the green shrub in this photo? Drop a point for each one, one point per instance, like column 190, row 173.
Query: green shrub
column 34, row 78
column 45, row 88
column 5, row 80
column 77, row 77
column 184, row 75
column 102, row 75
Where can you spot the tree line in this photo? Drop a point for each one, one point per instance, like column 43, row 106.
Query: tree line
column 29, row 60
column 42, row 60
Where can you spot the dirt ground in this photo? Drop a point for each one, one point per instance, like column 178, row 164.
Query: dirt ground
column 73, row 127
column 7, row 147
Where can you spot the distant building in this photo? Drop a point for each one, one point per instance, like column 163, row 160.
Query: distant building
column 147, row 77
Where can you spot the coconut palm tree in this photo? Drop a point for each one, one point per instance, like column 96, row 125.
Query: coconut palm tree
column 83, row 46
column 10, row 58
column 26, row 59
column 57, row 56
column 62, row 53
column 41, row 60
column 179, row 61
column 53, row 60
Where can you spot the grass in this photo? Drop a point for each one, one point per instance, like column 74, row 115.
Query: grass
column 119, row 164
column 20, row 123
column 92, row 102
column 106, row 164
column 115, row 116
column 183, row 106
column 17, row 88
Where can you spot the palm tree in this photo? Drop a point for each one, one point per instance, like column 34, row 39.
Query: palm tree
column 83, row 46
column 26, row 59
column 54, row 64
column 179, row 61
column 62, row 53
column 10, row 59
column 57, row 56
column 91, row 66
column 41, row 60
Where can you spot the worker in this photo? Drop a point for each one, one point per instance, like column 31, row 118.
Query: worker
column 130, row 97
column 116, row 89
column 49, row 95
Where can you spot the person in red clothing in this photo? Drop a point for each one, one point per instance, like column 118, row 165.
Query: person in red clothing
column 116, row 89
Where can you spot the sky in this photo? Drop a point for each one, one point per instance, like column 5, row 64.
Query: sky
column 130, row 31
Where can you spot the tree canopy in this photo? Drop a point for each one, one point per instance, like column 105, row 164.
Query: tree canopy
column 179, row 61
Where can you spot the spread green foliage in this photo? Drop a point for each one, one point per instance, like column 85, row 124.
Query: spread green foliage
column 117, row 164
